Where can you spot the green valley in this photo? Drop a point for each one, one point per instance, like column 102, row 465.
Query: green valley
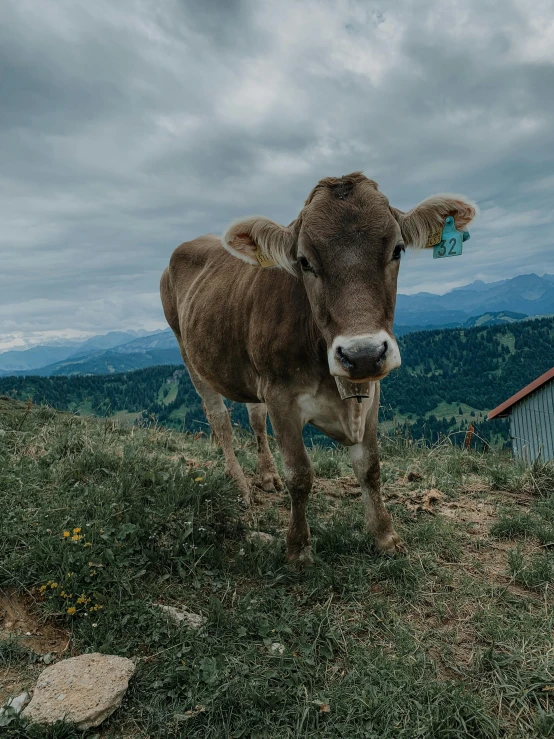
column 448, row 379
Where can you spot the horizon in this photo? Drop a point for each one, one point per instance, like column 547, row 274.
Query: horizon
column 53, row 337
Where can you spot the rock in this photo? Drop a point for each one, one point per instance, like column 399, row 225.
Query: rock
column 181, row 615
column 84, row 690
column 277, row 648
column 12, row 708
column 260, row 536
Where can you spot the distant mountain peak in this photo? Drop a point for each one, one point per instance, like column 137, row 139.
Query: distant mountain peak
column 475, row 286
column 528, row 294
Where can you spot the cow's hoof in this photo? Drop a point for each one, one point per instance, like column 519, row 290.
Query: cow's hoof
column 245, row 500
column 390, row 545
column 271, row 483
column 301, row 557
column 241, row 484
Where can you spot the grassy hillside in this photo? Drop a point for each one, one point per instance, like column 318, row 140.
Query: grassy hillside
column 454, row 640
column 448, row 379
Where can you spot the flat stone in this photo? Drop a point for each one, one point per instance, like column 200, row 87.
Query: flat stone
column 259, row 535
column 12, row 708
column 84, row 690
column 181, row 615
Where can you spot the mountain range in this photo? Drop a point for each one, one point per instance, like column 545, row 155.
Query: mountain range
column 43, row 355
column 477, row 304
column 528, row 294
column 156, row 348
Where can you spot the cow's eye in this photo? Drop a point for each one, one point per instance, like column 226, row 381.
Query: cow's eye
column 398, row 249
column 305, row 266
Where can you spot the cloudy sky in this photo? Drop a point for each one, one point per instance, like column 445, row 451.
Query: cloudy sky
column 129, row 126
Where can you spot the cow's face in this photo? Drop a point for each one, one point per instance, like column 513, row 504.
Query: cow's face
column 346, row 245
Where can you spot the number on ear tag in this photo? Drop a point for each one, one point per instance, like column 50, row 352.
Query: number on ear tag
column 263, row 259
column 450, row 244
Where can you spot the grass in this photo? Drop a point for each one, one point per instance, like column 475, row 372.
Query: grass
column 168, row 392
column 454, row 640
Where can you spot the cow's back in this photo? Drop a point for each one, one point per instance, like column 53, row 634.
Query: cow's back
column 240, row 326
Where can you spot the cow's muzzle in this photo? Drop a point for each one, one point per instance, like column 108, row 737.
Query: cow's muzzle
column 364, row 357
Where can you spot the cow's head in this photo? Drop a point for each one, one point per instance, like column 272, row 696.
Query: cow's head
column 346, row 246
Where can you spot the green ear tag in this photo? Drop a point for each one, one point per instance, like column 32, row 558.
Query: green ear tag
column 450, row 244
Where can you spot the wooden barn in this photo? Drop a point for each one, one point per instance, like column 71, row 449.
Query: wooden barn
column 531, row 413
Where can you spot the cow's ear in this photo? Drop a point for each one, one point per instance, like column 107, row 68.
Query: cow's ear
column 261, row 242
column 421, row 225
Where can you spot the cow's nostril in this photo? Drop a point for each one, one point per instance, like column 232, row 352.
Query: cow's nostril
column 362, row 358
column 344, row 360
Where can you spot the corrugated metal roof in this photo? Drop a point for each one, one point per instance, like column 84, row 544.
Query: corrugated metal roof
column 503, row 410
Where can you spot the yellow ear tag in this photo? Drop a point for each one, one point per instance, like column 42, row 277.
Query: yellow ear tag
column 434, row 239
column 263, row 259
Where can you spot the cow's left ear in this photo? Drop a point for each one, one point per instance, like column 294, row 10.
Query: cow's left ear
column 261, row 242
column 421, row 225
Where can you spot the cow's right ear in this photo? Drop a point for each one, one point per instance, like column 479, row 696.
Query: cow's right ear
column 421, row 227
column 261, row 242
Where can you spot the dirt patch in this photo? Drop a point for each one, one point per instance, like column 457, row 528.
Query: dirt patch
column 340, row 487
column 478, row 513
column 427, row 501
column 485, row 558
column 15, row 680
column 18, row 620
column 263, row 503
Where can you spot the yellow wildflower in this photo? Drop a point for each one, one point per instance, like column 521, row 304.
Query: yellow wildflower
column 42, row 588
column 87, row 544
column 53, row 585
column 198, row 479
column 76, row 537
column 72, row 610
column 77, row 530
column 66, row 534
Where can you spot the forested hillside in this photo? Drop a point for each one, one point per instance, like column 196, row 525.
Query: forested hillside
column 448, row 379
column 479, row 366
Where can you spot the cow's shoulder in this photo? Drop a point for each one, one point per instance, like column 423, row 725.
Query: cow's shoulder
column 196, row 253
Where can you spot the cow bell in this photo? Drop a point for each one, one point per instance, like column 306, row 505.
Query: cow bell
column 348, row 389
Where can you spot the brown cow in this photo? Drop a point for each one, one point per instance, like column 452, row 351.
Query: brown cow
column 276, row 338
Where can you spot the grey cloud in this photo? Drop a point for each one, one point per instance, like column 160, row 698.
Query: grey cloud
column 128, row 127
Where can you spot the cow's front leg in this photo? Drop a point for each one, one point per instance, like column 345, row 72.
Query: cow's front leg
column 299, row 476
column 365, row 462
